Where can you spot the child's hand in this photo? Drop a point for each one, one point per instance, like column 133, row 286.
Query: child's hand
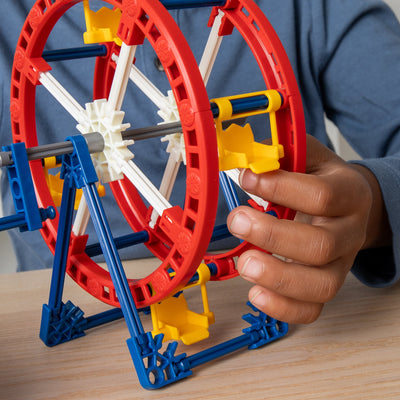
column 344, row 212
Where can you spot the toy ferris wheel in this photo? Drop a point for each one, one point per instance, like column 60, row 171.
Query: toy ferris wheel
column 206, row 142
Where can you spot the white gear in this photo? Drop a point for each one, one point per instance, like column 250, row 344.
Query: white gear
column 99, row 118
column 176, row 146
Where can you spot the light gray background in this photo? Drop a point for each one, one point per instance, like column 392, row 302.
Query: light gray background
column 8, row 263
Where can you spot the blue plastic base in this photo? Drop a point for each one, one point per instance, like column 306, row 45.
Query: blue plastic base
column 156, row 369
column 63, row 322
column 62, row 325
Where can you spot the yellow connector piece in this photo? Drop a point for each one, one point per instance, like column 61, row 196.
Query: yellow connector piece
column 173, row 318
column 55, row 184
column 236, row 145
column 101, row 25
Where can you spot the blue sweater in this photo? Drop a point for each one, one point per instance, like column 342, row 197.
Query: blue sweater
column 346, row 58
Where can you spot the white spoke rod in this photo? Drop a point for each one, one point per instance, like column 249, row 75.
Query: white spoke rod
column 169, row 178
column 121, row 77
column 144, row 186
column 81, row 219
column 165, row 104
column 211, row 49
column 234, row 175
column 62, row 96
column 168, row 182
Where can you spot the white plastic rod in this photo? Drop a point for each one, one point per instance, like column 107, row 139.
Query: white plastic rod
column 148, row 88
column 62, row 96
column 167, row 182
column 81, row 219
column 211, row 49
column 234, row 175
column 169, row 177
column 166, row 104
column 145, row 186
column 121, row 77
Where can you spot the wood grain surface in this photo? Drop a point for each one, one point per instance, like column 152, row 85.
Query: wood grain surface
column 351, row 352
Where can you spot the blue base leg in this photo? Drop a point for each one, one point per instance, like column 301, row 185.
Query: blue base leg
column 62, row 322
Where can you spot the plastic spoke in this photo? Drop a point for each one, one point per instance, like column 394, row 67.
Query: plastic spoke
column 121, row 77
column 234, row 175
column 167, row 182
column 62, row 96
column 169, row 177
column 81, row 219
column 144, row 186
column 211, row 49
column 150, row 90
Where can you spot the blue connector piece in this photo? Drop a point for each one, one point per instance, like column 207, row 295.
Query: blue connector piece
column 67, row 322
column 62, row 324
column 160, row 369
column 28, row 214
column 156, row 369
column 267, row 328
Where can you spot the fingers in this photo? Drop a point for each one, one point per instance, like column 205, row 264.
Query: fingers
column 308, row 244
column 284, row 308
column 289, row 291
column 328, row 195
column 297, row 281
column 329, row 188
column 337, row 199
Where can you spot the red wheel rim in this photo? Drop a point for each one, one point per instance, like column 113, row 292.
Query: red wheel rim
column 277, row 73
column 185, row 231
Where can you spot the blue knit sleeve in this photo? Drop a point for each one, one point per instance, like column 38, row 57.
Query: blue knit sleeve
column 360, row 84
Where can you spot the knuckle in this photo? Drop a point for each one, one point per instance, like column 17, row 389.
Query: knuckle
column 280, row 283
column 324, row 248
column 328, row 290
column 275, row 278
column 267, row 237
column 268, row 187
column 324, row 198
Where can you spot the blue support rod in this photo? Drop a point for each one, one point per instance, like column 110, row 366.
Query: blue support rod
column 120, row 242
column 86, row 177
column 19, row 219
column 245, row 104
column 229, row 191
column 220, row 232
column 103, row 318
column 75, row 52
column 12, row 221
column 177, row 4
column 220, row 350
column 62, row 245
column 113, row 261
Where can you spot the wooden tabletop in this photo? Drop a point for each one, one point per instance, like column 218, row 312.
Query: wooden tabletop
column 351, row 352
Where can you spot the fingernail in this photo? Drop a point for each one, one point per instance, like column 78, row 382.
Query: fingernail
column 240, row 225
column 247, row 179
column 256, row 299
column 252, row 268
